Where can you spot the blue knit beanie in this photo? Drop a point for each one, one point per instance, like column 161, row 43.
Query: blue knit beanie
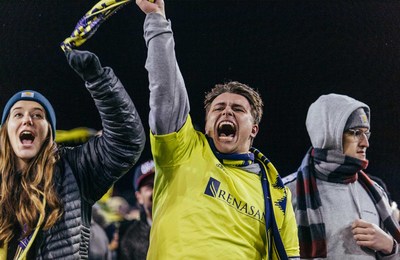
column 32, row 95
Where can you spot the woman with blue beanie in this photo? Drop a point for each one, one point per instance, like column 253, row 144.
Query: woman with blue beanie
column 47, row 192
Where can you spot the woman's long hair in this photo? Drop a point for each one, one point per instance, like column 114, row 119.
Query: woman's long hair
column 22, row 192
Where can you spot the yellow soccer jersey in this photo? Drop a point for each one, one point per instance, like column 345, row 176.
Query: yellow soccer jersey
column 201, row 208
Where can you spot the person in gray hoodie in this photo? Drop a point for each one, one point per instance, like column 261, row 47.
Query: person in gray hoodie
column 341, row 213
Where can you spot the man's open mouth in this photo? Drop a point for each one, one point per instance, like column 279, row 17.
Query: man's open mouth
column 226, row 129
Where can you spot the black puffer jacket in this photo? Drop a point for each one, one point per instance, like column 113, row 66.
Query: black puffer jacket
column 86, row 172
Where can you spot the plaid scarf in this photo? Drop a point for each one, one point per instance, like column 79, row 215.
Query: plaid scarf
column 385, row 216
column 331, row 166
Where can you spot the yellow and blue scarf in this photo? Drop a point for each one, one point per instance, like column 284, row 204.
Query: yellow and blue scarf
column 91, row 21
column 275, row 197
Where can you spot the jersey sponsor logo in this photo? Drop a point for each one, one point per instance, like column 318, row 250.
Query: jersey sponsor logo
column 213, row 190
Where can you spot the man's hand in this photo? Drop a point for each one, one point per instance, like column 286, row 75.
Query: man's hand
column 147, row 6
column 85, row 63
column 370, row 235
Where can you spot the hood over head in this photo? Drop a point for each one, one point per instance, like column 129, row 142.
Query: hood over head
column 327, row 118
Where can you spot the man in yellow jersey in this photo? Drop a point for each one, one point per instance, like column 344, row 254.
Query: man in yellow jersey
column 215, row 197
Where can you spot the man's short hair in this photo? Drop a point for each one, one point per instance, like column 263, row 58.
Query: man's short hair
column 235, row 87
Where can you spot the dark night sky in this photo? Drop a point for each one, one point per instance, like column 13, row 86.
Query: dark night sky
column 291, row 51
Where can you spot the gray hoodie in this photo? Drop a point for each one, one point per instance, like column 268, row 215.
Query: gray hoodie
column 341, row 203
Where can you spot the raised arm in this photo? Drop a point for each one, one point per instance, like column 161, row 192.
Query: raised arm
column 102, row 160
column 169, row 103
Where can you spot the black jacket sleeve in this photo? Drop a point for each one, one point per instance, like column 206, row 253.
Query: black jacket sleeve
column 98, row 163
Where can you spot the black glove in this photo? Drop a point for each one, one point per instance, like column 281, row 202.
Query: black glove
column 85, row 63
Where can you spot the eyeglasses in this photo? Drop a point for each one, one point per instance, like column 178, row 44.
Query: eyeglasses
column 358, row 134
